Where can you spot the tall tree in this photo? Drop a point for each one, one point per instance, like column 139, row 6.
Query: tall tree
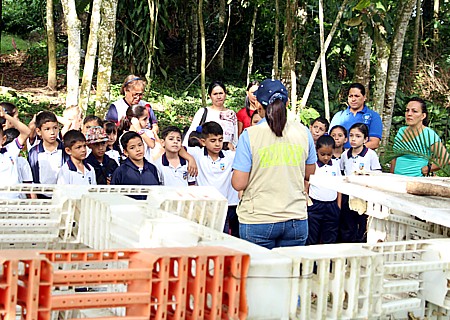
column 51, row 46
column 250, row 43
column 221, row 32
column 362, row 54
column 275, row 72
column 195, row 26
column 73, row 61
column 91, row 53
column 395, row 60
column 323, row 63
column 288, row 61
column 416, row 35
column 153, row 13
column 203, row 50
column 383, row 51
column 107, row 41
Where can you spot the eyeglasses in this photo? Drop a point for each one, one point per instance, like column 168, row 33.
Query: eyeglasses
column 136, row 94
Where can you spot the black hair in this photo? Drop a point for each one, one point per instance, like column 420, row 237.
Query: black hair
column 194, row 139
column 247, row 100
column 276, row 115
column 11, row 134
column 73, row 136
column 323, row 121
column 423, row 106
column 92, row 117
column 253, row 115
column 325, row 141
column 165, row 132
column 44, row 117
column 359, row 86
column 338, row 126
column 109, row 127
column 211, row 128
column 361, row 127
column 9, row 108
column 131, row 81
column 126, row 137
column 214, row 84
column 134, row 111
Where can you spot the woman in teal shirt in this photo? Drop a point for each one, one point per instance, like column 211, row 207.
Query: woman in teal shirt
column 419, row 143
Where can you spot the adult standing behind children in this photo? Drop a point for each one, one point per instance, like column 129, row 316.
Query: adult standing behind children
column 423, row 150
column 132, row 89
column 273, row 161
column 217, row 112
column 244, row 115
column 358, row 112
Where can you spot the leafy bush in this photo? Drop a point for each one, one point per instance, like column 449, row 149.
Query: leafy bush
column 22, row 16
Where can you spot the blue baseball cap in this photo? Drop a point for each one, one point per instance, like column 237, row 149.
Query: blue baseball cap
column 271, row 90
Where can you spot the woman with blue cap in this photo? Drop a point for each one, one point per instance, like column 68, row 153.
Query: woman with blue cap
column 273, row 161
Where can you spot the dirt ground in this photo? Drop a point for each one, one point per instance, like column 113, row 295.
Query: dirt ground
column 16, row 74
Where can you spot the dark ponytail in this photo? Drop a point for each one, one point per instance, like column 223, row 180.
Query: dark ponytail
column 276, row 116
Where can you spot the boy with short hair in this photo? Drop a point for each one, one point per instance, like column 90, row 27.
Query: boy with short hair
column 215, row 169
column 104, row 166
column 172, row 168
column 76, row 170
column 9, row 153
column 318, row 128
column 48, row 156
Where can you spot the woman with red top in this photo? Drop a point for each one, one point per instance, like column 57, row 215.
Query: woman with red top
column 244, row 115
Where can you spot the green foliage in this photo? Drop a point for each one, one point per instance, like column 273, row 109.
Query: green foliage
column 22, row 16
column 7, row 47
column 307, row 115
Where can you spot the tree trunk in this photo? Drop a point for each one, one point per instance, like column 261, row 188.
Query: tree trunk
column 187, row 41
column 203, row 50
column 222, row 16
column 323, row 63
column 416, row 35
column 51, row 47
column 275, row 72
column 250, row 44
column 107, row 41
column 73, row 52
column 436, row 23
column 288, row 60
column 395, row 61
column 381, row 70
column 317, row 65
column 91, row 52
column 363, row 51
column 153, row 6
column 195, row 24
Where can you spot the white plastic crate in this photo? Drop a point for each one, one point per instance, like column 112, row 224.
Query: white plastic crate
column 204, row 205
column 335, row 281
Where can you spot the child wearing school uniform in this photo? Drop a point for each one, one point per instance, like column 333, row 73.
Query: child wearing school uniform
column 9, row 174
column 103, row 165
column 339, row 134
column 48, row 156
column 215, row 169
column 112, row 146
column 76, row 170
column 357, row 160
column 323, row 214
column 172, row 168
column 318, row 128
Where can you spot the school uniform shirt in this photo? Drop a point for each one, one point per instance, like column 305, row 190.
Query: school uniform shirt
column 103, row 170
column 69, row 174
column 45, row 164
column 366, row 160
column 130, row 174
column 9, row 174
column 171, row 176
column 216, row 173
column 114, row 154
column 330, row 169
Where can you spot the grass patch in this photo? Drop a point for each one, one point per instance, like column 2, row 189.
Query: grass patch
column 7, row 47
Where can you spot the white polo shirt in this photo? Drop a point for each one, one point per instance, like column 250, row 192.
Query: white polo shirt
column 114, row 154
column 216, row 173
column 9, row 174
column 330, row 169
column 50, row 162
column 69, row 174
column 171, row 176
column 366, row 160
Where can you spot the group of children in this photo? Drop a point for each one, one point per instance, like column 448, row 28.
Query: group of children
column 330, row 218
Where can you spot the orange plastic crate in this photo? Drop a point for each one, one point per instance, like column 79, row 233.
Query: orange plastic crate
column 161, row 283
